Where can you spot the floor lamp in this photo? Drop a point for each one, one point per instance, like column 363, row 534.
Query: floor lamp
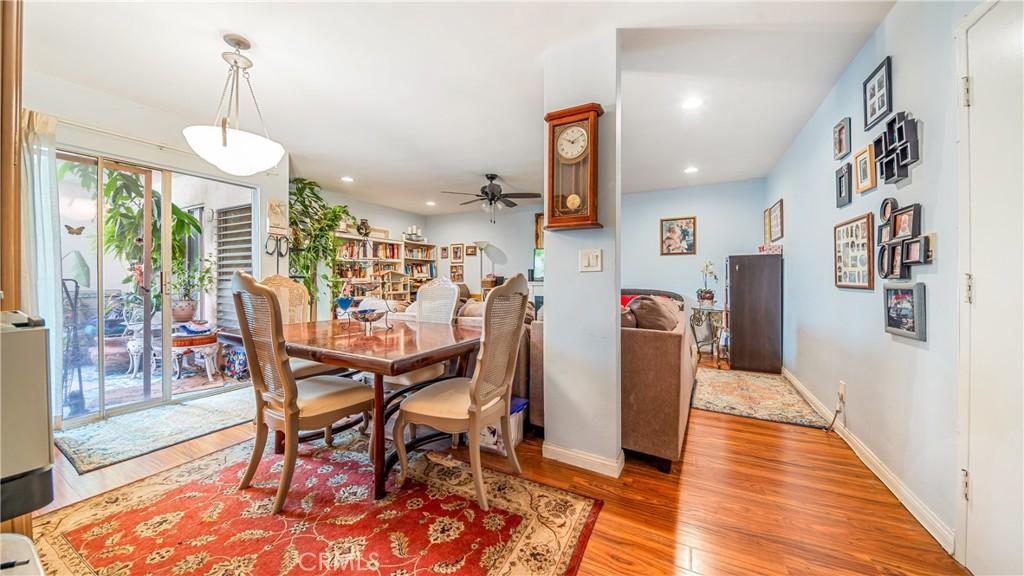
column 481, row 245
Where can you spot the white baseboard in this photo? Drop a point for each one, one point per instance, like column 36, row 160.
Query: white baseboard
column 931, row 522
column 607, row 466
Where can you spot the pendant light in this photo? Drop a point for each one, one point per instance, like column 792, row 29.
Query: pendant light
column 224, row 144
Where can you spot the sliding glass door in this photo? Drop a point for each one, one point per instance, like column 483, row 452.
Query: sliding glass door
column 141, row 288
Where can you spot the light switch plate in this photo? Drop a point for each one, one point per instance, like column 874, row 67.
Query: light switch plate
column 590, row 260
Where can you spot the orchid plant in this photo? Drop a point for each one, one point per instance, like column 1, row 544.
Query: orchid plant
column 707, row 271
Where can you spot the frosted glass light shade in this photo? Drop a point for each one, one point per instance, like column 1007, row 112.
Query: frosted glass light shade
column 245, row 154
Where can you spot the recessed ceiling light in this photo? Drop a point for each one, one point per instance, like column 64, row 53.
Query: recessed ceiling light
column 692, row 103
column 691, row 170
column 431, row 203
column 348, row 179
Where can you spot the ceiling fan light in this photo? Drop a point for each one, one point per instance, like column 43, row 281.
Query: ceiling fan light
column 244, row 154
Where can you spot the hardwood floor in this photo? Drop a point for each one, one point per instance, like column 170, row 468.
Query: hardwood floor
column 750, row 497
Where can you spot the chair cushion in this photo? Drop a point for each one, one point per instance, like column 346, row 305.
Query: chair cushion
column 447, row 399
column 322, row 394
column 417, row 376
column 305, row 368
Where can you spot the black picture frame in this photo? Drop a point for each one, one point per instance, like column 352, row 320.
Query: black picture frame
column 897, row 268
column 870, row 95
column 841, row 139
column 882, row 261
column 885, row 210
column 884, row 234
column 904, row 307
column 844, row 185
column 922, row 256
column 913, row 230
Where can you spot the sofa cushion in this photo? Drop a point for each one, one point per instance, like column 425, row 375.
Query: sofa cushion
column 473, row 308
column 652, row 314
column 628, row 319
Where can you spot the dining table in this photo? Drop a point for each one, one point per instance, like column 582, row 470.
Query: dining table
column 389, row 348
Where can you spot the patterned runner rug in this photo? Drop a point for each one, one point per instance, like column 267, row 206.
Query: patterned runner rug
column 193, row 519
column 754, row 395
column 127, row 436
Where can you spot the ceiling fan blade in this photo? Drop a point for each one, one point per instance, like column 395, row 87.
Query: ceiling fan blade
column 507, row 202
column 522, row 195
column 472, row 201
column 462, row 193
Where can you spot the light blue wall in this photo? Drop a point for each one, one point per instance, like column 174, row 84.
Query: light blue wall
column 511, row 238
column 729, row 221
column 901, row 394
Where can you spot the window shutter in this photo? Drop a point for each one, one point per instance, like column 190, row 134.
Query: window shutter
column 234, row 252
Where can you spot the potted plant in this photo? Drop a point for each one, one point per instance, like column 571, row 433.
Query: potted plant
column 187, row 283
column 705, row 295
column 313, row 224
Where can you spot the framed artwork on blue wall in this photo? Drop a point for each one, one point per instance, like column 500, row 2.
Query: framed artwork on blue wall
column 878, row 94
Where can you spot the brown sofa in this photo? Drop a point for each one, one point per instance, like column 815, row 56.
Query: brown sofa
column 658, row 371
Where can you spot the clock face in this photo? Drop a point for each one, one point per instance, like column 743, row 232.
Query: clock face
column 572, row 142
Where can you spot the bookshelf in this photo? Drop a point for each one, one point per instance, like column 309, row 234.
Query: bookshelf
column 420, row 259
column 373, row 268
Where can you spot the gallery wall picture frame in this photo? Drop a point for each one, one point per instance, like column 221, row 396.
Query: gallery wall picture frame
column 864, row 174
column 905, row 309
column 896, row 148
column 884, row 233
column 678, row 236
column 457, row 251
column 844, row 189
column 444, row 252
column 883, row 265
column 853, row 250
column 775, row 221
column 877, row 94
column 897, row 268
column 470, row 250
column 906, row 222
column 841, row 139
column 885, row 210
column 915, row 251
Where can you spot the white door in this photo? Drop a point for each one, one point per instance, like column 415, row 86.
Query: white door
column 995, row 451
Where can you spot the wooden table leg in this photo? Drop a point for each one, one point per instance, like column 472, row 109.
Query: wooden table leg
column 379, row 468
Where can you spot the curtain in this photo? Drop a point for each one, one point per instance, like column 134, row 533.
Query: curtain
column 40, row 223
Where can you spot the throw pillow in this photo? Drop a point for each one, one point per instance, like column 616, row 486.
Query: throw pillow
column 472, row 309
column 652, row 314
column 628, row 319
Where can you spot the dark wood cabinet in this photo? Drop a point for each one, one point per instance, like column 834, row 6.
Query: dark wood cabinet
column 755, row 313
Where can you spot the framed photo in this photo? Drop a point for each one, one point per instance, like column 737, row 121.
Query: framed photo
column 678, row 236
column 897, row 268
column 843, row 187
column 884, row 233
column 878, row 94
column 915, row 250
column 444, row 252
column 906, row 222
column 457, row 251
column 470, row 250
column 883, row 263
column 905, row 309
column 775, row 221
column 841, row 139
column 889, row 205
column 854, row 251
column 864, row 176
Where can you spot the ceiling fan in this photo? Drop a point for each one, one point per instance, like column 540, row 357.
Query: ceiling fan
column 492, row 196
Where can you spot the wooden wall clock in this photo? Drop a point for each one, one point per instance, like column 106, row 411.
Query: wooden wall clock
column 572, row 167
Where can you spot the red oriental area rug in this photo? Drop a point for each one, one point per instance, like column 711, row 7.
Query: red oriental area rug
column 193, row 519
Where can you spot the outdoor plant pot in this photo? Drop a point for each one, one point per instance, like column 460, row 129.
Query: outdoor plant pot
column 705, row 298
column 183, row 310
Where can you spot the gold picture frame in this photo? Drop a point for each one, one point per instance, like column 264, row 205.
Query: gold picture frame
column 865, row 175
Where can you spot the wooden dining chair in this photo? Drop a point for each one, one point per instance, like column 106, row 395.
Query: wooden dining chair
column 316, row 403
column 294, row 301
column 460, row 405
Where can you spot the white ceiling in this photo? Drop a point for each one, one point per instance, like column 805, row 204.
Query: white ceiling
column 414, row 99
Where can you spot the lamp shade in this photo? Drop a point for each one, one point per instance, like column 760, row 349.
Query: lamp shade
column 244, row 154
